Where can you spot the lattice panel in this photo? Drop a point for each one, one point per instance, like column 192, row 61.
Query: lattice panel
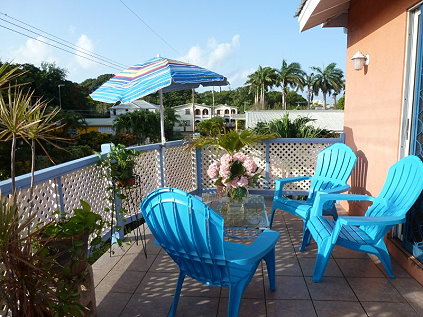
column 90, row 185
column 44, row 203
column 293, row 159
column 180, row 168
column 147, row 169
column 209, row 155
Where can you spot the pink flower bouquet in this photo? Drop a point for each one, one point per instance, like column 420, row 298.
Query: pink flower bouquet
column 236, row 172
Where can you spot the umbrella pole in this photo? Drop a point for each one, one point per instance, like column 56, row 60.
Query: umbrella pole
column 162, row 131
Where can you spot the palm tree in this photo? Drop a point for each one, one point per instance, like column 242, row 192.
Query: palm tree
column 298, row 128
column 261, row 81
column 290, row 75
column 310, row 85
column 328, row 79
column 336, row 92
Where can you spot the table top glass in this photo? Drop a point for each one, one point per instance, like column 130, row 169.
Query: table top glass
column 249, row 213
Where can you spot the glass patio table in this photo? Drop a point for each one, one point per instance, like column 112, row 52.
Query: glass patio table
column 243, row 220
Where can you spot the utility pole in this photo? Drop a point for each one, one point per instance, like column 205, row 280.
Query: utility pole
column 60, row 97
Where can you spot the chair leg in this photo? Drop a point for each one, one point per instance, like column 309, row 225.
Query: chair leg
column 385, row 258
column 323, row 255
column 271, row 268
column 177, row 293
column 235, row 295
column 272, row 215
column 306, row 238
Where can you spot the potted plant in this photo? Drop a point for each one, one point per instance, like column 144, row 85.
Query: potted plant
column 67, row 239
column 32, row 281
column 120, row 161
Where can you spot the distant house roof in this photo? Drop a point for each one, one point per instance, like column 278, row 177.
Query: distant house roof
column 325, row 119
column 329, row 13
column 136, row 105
column 225, row 105
column 94, row 122
column 190, row 105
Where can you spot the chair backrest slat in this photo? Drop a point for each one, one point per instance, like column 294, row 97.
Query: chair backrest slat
column 189, row 231
column 402, row 187
column 334, row 162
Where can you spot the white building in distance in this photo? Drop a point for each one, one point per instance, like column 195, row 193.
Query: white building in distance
column 133, row 106
column 325, row 119
column 188, row 115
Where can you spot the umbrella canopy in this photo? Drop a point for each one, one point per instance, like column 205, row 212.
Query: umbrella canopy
column 157, row 74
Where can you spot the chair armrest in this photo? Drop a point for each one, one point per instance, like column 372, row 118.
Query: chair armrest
column 322, row 198
column 370, row 221
column 280, row 183
column 257, row 250
column 337, row 189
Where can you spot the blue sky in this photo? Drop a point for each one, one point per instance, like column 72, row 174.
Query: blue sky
column 230, row 37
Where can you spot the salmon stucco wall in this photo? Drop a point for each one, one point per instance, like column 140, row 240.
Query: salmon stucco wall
column 374, row 94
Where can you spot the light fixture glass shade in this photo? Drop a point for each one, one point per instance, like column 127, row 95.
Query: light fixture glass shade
column 359, row 60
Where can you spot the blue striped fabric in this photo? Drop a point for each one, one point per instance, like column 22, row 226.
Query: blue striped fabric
column 157, row 73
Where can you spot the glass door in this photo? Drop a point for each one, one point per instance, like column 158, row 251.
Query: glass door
column 411, row 233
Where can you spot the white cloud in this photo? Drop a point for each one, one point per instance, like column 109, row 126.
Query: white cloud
column 239, row 77
column 33, row 52
column 85, row 43
column 214, row 54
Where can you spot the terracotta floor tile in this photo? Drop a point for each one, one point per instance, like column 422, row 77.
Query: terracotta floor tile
column 290, row 308
column 412, row 291
column 158, row 283
column 338, row 309
column 248, row 307
column 375, row 290
column 148, row 305
column 307, row 266
column 287, row 287
column 331, row 288
column 111, row 304
column 381, row 309
column 120, row 281
column 358, row 268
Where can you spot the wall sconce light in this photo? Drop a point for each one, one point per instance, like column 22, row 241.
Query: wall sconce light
column 359, row 60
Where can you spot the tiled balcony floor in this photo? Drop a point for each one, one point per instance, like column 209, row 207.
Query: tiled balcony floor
column 128, row 284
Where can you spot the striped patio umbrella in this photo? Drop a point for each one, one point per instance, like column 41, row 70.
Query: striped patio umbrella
column 157, row 74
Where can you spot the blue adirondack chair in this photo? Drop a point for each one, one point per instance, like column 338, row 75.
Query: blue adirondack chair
column 402, row 187
column 192, row 234
column 333, row 168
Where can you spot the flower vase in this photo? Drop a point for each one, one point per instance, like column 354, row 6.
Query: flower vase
column 221, row 190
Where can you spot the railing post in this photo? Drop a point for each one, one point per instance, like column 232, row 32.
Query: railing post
column 199, row 170
column 118, row 235
column 162, row 165
column 60, row 194
column 267, row 166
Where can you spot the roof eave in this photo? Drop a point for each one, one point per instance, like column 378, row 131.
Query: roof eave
column 316, row 12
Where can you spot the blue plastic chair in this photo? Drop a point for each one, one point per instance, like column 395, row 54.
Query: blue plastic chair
column 192, row 234
column 402, row 187
column 333, row 168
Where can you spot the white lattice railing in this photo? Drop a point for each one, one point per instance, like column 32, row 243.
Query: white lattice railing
column 172, row 164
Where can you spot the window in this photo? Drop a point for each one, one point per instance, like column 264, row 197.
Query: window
column 187, row 111
column 233, row 111
column 197, row 112
column 205, row 112
column 218, row 112
column 187, row 123
column 227, row 111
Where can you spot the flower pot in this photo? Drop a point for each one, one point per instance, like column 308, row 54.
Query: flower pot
column 70, row 252
column 126, row 183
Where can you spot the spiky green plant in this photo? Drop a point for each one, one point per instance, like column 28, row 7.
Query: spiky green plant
column 231, row 141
